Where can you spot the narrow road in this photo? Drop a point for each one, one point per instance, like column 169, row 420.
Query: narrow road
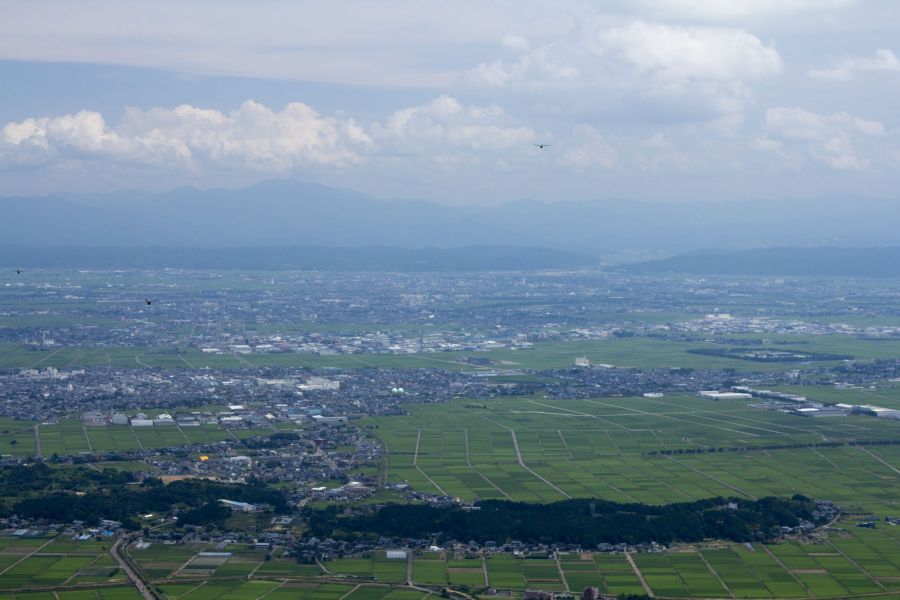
column 879, row 459
column 564, row 443
column 640, row 575
column 562, row 574
column 788, row 571
column 35, row 364
column 416, row 452
column 29, row 555
column 37, row 442
column 713, row 571
column 707, row 475
column 856, row 564
column 125, row 564
column 88, row 438
column 521, row 462
column 433, row 482
column 480, row 474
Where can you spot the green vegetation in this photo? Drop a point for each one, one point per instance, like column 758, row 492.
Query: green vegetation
column 46, row 562
column 51, row 494
column 534, row 449
column 583, row 522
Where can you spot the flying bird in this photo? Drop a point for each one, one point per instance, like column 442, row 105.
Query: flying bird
column 541, row 146
column 19, row 271
column 149, row 301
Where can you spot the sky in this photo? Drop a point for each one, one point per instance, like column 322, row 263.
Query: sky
column 660, row 100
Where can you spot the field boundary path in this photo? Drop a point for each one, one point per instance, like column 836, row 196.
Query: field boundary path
column 879, row 459
column 825, row 458
column 565, row 443
column 521, row 462
column 37, row 441
column 855, row 564
column 432, row 481
column 611, row 486
column 35, row 364
column 416, row 451
column 134, row 433
column 714, row 572
column 674, row 418
column 562, row 573
column 415, row 462
column 181, row 431
column 88, row 438
column 716, row 479
column 576, row 413
column 480, row 474
column 640, row 575
column 323, row 567
column 788, row 571
column 29, row 555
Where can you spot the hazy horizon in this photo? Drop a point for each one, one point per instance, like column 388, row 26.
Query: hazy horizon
column 669, row 101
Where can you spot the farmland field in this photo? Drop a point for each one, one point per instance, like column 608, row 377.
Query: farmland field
column 849, row 562
column 47, row 562
column 536, row 449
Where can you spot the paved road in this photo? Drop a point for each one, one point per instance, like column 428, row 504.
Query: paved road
column 37, row 442
column 116, row 551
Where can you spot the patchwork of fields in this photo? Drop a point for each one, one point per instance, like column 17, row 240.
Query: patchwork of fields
column 70, row 437
column 850, row 562
column 48, row 562
column 536, row 449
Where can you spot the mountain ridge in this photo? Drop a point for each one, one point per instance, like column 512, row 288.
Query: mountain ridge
column 779, row 261
column 288, row 212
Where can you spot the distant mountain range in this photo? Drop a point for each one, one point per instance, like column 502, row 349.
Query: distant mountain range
column 303, row 258
column 291, row 213
column 862, row 262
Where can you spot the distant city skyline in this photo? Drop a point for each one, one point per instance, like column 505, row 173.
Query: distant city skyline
column 666, row 100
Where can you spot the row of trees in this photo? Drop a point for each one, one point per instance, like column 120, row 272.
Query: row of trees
column 584, row 522
column 772, row 447
column 35, row 492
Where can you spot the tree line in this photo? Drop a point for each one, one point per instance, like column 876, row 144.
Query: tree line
column 37, row 492
column 584, row 522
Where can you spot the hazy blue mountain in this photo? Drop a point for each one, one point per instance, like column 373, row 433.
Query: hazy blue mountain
column 275, row 213
column 367, row 258
column 864, row 262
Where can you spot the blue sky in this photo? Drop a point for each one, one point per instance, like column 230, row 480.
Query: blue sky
column 670, row 100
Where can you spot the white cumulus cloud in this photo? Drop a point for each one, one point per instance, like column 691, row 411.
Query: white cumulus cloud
column 677, row 53
column 445, row 125
column 883, row 61
column 252, row 136
column 831, row 139
column 588, row 148
column 707, row 68
column 257, row 138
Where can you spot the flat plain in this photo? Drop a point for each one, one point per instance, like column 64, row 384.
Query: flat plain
column 539, row 449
